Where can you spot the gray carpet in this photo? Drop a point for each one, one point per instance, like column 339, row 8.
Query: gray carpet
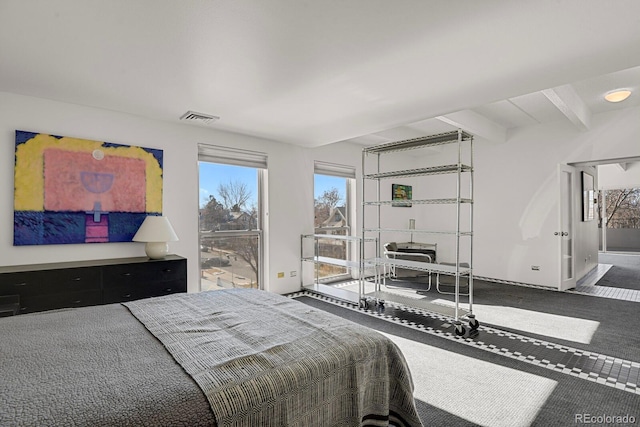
column 625, row 272
column 480, row 398
column 614, row 334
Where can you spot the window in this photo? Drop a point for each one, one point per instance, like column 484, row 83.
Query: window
column 620, row 212
column 333, row 186
column 231, row 217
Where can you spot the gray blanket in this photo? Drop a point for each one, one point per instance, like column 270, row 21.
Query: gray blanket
column 266, row 360
column 93, row 366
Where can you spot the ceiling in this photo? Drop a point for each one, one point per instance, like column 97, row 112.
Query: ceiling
column 315, row 72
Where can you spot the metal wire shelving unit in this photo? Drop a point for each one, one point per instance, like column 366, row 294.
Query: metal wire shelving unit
column 456, row 269
column 357, row 267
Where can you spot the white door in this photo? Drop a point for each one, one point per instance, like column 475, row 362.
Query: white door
column 566, row 227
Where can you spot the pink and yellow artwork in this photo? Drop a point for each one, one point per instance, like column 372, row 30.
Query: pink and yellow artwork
column 70, row 190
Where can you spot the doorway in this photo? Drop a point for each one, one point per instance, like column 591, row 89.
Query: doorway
column 619, row 220
column 617, row 213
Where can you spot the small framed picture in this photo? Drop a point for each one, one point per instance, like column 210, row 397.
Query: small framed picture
column 401, row 195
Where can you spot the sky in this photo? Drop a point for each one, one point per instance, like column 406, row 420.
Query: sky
column 323, row 183
column 214, row 174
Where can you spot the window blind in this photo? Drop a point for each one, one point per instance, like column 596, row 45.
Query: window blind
column 334, row 169
column 231, row 156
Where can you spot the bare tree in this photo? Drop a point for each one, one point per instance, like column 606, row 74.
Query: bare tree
column 234, row 195
column 248, row 249
column 623, row 208
column 329, row 200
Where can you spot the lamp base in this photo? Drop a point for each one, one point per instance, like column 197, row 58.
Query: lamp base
column 156, row 250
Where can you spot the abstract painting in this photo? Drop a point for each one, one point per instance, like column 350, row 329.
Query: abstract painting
column 70, row 190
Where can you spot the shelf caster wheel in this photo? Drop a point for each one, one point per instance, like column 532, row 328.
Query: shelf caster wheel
column 460, row 330
column 473, row 323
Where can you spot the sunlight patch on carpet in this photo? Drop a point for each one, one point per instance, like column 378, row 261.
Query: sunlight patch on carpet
column 534, row 322
column 480, row 392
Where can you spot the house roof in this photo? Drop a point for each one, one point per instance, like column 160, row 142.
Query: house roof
column 317, row 72
column 331, row 220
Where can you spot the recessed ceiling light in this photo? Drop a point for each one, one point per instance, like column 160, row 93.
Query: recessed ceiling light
column 617, row 95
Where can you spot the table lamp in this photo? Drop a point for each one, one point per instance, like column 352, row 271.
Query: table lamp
column 156, row 231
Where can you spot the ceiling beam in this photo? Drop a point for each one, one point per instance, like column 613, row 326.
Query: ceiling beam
column 371, row 139
column 619, row 160
column 400, row 133
column 477, row 125
column 566, row 99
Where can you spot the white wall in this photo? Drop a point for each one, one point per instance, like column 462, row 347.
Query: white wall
column 611, row 177
column 516, row 191
column 290, row 181
column 516, row 195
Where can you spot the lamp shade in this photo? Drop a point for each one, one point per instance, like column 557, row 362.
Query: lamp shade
column 155, row 229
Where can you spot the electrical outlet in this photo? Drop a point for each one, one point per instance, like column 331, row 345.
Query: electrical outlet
column 293, row 273
column 535, row 267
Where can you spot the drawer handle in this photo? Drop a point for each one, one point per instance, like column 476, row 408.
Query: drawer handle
column 168, row 290
column 167, row 270
column 78, row 301
column 77, row 279
column 126, row 296
column 126, row 274
column 20, row 284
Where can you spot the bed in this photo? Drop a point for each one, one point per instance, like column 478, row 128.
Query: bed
column 240, row 357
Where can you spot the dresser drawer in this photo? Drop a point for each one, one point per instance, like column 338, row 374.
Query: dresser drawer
column 164, row 288
column 9, row 305
column 17, row 283
column 46, row 282
column 139, row 274
column 31, row 304
column 39, row 287
column 148, row 290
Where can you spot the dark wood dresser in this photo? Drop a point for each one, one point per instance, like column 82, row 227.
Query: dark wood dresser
column 39, row 287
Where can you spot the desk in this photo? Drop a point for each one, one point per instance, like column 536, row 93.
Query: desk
column 419, row 248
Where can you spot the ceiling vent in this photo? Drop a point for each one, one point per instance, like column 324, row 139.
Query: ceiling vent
column 193, row 117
